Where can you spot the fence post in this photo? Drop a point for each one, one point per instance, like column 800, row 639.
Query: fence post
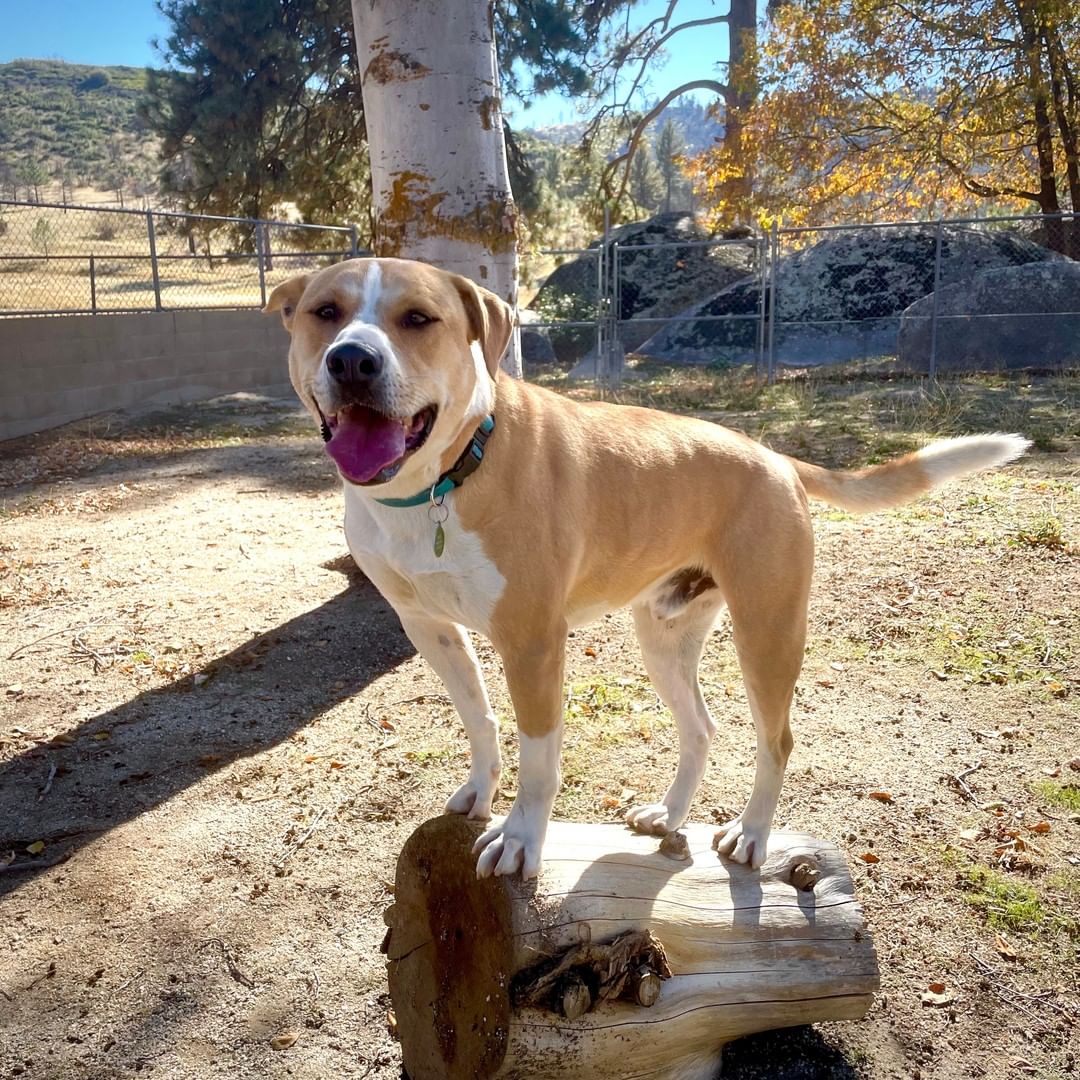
column 153, row 259
column 759, row 348
column 93, row 286
column 354, row 242
column 774, row 256
column 260, row 245
column 932, row 366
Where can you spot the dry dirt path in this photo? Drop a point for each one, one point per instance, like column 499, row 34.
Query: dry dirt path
column 220, row 738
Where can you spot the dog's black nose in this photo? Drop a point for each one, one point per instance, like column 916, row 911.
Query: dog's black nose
column 353, row 362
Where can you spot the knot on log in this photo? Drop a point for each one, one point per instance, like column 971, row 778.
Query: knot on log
column 805, row 875
column 632, row 965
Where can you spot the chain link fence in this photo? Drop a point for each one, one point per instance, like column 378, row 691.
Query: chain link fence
column 918, row 298
column 57, row 259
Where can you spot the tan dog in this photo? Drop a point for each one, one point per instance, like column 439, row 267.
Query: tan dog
column 575, row 510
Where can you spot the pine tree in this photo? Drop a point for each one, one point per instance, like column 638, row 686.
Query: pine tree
column 670, row 146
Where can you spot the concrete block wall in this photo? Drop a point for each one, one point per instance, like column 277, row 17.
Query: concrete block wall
column 57, row 369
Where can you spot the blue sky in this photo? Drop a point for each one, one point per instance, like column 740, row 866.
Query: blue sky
column 119, row 32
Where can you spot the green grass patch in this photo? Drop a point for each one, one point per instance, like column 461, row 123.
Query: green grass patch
column 1006, row 904
column 1062, row 796
column 1044, row 531
column 979, row 650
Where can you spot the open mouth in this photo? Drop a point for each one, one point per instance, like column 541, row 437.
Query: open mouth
column 370, row 447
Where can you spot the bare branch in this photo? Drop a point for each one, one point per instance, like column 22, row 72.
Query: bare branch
column 721, row 89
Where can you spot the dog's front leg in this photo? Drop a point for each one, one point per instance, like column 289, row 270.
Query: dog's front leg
column 534, row 676
column 447, row 648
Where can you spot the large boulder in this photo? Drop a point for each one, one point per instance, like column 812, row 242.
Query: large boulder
column 536, row 348
column 840, row 299
column 654, row 282
column 1012, row 317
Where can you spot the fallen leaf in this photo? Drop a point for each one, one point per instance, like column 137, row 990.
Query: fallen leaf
column 929, row 997
column 391, row 1023
column 101, row 736
column 869, row 857
column 15, row 690
column 881, row 796
column 939, row 675
column 1005, row 947
column 36, row 848
column 1055, row 771
column 1040, row 827
column 200, row 678
column 386, row 725
column 837, row 666
column 609, row 803
column 827, row 683
column 337, row 764
column 590, row 651
column 309, row 758
column 1075, row 764
column 936, row 988
column 284, row 1040
column 970, row 834
column 1056, row 688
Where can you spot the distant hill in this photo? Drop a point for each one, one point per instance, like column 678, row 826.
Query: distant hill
column 76, row 116
column 699, row 129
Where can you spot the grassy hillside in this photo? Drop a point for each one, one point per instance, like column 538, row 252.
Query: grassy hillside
column 74, row 117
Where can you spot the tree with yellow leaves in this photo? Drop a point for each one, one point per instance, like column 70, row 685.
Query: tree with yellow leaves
column 874, row 108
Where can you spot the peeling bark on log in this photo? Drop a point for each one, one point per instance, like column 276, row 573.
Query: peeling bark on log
column 554, row 977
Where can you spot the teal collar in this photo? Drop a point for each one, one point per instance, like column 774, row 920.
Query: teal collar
column 454, row 477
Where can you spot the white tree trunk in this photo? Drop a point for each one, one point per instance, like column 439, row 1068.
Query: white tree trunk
column 441, row 187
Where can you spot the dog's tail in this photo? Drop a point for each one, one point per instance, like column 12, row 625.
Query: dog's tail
column 901, row 480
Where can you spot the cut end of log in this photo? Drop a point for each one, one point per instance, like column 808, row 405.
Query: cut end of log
column 451, row 954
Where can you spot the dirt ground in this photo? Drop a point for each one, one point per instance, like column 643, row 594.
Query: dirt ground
column 214, row 739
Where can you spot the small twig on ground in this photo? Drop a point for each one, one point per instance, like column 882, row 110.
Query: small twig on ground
column 55, row 633
column 279, row 862
column 48, row 782
column 230, row 962
column 37, row 864
column 5, row 994
column 960, row 777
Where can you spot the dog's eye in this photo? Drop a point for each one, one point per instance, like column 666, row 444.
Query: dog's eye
column 327, row 312
column 413, row 320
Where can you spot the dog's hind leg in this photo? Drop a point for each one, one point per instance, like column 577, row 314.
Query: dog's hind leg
column 671, row 647
column 767, row 596
column 447, row 648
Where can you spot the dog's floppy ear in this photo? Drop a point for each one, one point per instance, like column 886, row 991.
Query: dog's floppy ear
column 491, row 320
column 285, row 298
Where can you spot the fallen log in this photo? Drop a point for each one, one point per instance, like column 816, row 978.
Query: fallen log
column 628, row 958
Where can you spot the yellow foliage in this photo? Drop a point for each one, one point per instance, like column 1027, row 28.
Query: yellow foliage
column 876, row 108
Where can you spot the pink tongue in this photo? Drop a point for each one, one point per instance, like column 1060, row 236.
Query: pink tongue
column 365, row 442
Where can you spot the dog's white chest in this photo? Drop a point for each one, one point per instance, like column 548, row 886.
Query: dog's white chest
column 461, row 585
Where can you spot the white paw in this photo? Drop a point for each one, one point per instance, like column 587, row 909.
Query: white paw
column 515, row 843
column 657, row 819
column 473, row 799
column 743, row 843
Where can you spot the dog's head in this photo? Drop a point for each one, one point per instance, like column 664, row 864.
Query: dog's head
column 397, row 359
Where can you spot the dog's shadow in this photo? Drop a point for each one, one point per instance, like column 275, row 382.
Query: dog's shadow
column 131, row 758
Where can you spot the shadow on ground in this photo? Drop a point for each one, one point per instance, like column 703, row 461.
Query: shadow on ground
column 801, row 1053
column 157, row 744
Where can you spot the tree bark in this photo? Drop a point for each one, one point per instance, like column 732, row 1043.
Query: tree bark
column 1044, row 131
column 441, row 186
column 628, row 957
column 739, row 97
